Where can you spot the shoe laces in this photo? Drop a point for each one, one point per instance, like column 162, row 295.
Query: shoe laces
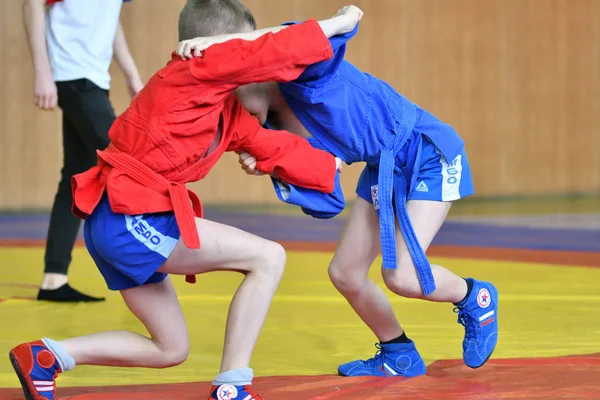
column 377, row 357
column 470, row 323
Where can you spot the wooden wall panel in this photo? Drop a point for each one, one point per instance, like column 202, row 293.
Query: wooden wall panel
column 519, row 79
column 30, row 143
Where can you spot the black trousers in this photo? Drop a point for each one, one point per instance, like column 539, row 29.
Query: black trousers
column 87, row 118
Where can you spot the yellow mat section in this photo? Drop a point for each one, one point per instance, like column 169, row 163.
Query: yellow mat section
column 544, row 311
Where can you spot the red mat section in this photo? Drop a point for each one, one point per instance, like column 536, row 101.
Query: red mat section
column 572, row 378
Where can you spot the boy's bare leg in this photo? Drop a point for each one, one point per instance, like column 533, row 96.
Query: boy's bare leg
column 476, row 302
column 398, row 355
column 427, row 218
column 224, row 248
column 357, row 250
column 157, row 307
column 358, row 247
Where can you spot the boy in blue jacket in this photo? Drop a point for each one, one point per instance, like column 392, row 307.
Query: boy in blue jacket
column 416, row 167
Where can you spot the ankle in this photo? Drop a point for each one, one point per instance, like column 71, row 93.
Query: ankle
column 236, row 377
column 53, row 281
column 66, row 361
column 400, row 339
column 468, row 285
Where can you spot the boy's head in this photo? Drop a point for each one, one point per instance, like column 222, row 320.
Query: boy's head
column 255, row 98
column 261, row 98
column 214, row 17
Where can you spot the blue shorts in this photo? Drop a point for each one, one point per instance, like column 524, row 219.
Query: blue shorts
column 129, row 249
column 436, row 181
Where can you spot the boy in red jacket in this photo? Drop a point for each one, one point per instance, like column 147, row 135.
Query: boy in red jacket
column 140, row 225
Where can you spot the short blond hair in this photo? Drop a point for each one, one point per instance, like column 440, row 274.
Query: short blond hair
column 213, row 17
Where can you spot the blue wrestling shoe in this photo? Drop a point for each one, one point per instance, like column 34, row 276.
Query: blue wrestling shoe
column 479, row 315
column 396, row 359
column 230, row 392
column 37, row 368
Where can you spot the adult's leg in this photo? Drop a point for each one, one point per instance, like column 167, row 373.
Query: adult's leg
column 64, row 225
column 87, row 117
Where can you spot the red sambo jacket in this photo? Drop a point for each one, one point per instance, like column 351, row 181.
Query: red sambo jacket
column 180, row 124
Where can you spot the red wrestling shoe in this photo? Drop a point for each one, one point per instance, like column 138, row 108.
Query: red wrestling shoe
column 37, row 369
column 230, row 392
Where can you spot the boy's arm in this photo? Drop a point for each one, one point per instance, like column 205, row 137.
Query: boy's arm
column 45, row 94
column 320, row 72
column 273, row 57
column 280, row 56
column 344, row 21
column 188, row 49
column 313, row 203
column 123, row 57
column 288, row 156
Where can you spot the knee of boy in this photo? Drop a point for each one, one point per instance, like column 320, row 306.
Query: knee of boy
column 403, row 283
column 347, row 282
column 175, row 356
column 274, row 260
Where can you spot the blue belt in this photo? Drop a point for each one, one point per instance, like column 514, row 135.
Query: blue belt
column 393, row 187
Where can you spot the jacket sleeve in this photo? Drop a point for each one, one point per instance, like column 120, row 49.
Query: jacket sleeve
column 281, row 57
column 290, row 156
column 313, row 203
column 318, row 74
column 317, row 205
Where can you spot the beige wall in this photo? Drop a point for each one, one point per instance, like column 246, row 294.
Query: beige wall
column 519, row 79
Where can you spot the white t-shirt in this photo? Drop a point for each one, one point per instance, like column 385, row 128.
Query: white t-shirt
column 80, row 35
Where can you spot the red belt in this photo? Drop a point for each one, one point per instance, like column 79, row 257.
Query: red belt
column 179, row 194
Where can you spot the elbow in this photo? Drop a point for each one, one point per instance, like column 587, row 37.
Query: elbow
column 26, row 15
column 117, row 39
column 30, row 6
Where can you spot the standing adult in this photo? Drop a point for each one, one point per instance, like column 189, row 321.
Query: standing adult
column 72, row 43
